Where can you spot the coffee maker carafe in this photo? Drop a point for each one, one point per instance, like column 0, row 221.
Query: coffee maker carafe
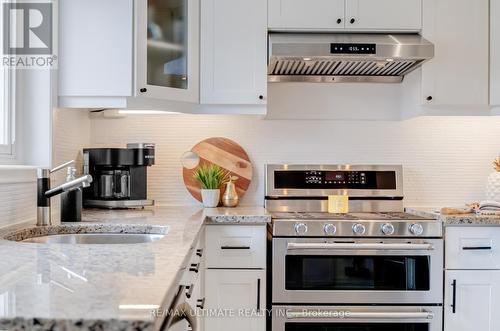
column 120, row 176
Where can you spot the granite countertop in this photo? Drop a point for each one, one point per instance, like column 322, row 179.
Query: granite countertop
column 459, row 219
column 103, row 287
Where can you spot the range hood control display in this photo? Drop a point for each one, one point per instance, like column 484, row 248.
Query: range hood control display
column 348, row 48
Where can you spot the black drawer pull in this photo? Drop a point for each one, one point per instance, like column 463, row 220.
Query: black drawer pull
column 477, row 248
column 189, row 291
column 200, row 303
column 194, row 267
column 199, row 252
column 258, row 295
column 235, row 247
column 454, row 299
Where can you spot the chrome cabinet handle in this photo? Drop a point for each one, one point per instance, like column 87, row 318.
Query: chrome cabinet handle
column 368, row 246
column 361, row 315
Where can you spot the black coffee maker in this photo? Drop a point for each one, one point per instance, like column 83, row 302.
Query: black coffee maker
column 120, row 176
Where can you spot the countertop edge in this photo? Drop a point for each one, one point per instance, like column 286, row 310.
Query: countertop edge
column 218, row 216
column 455, row 220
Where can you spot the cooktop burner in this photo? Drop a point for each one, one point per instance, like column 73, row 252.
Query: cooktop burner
column 376, row 216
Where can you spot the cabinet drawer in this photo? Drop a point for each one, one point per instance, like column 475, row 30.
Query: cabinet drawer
column 472, row 248
column 236, row 246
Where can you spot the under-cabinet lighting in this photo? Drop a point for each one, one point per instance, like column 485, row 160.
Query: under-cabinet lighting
column 145, row 112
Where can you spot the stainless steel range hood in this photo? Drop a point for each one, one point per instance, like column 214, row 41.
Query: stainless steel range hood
column 336, row 58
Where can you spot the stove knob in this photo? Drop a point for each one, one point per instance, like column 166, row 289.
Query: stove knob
column 329, row 229
column 300, row 228
column 358, row 229
column 388, row 229
column 416, row 229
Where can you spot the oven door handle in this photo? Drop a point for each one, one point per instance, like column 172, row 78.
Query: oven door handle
column 361, row 315
column 361, row 246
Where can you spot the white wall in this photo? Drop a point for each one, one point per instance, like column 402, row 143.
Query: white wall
column 18, row 201
column 446, row 159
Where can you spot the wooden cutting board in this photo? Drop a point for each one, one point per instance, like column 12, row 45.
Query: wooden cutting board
column 226, row 154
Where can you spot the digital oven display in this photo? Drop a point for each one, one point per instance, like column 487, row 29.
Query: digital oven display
column 344, row 48
column 334, row 175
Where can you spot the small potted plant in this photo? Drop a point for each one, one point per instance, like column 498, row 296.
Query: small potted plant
column 211, row 177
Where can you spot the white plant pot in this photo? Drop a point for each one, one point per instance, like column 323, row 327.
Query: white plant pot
column 210, row 198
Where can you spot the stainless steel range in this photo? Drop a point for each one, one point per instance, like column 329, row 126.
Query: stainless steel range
column 380, row 266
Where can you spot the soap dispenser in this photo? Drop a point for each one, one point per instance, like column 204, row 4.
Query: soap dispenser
column 71, row 201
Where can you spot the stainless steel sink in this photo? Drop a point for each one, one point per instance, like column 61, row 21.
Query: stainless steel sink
column 96, row 238
column 90, row 234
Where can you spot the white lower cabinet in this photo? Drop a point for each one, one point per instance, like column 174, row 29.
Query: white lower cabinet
column 472, row 300
column 235, row 300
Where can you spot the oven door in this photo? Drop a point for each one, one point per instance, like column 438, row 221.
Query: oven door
column 286, row 318
column 361, row 271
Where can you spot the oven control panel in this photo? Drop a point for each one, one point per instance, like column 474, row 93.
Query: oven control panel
column 335, row 177
column 329, row 179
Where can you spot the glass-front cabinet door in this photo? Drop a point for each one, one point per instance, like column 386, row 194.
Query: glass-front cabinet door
column 167, row 51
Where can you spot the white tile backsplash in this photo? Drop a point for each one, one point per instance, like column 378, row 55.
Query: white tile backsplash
column 18, row 202
column 446, row 159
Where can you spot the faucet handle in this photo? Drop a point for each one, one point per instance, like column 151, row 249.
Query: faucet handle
column 62, row 166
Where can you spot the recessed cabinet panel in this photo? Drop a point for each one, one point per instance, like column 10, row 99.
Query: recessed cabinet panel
column 234, row 52
column 459, row 72
column 88, row 67
column 238, row 293
column 386, row 15
column 306, row 14
column 167, row 49
column 471, row 300
column 230, row 246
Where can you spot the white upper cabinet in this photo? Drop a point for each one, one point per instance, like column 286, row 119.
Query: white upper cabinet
column 145, row 54
column 459, row 72
column 167, row 49
column 88, row 66
column 348, row 15
column 234, row 52
column 306, row 14
column 384, row 15
column 495, row 52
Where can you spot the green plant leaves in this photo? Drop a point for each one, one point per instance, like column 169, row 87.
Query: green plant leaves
column 210, row 177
